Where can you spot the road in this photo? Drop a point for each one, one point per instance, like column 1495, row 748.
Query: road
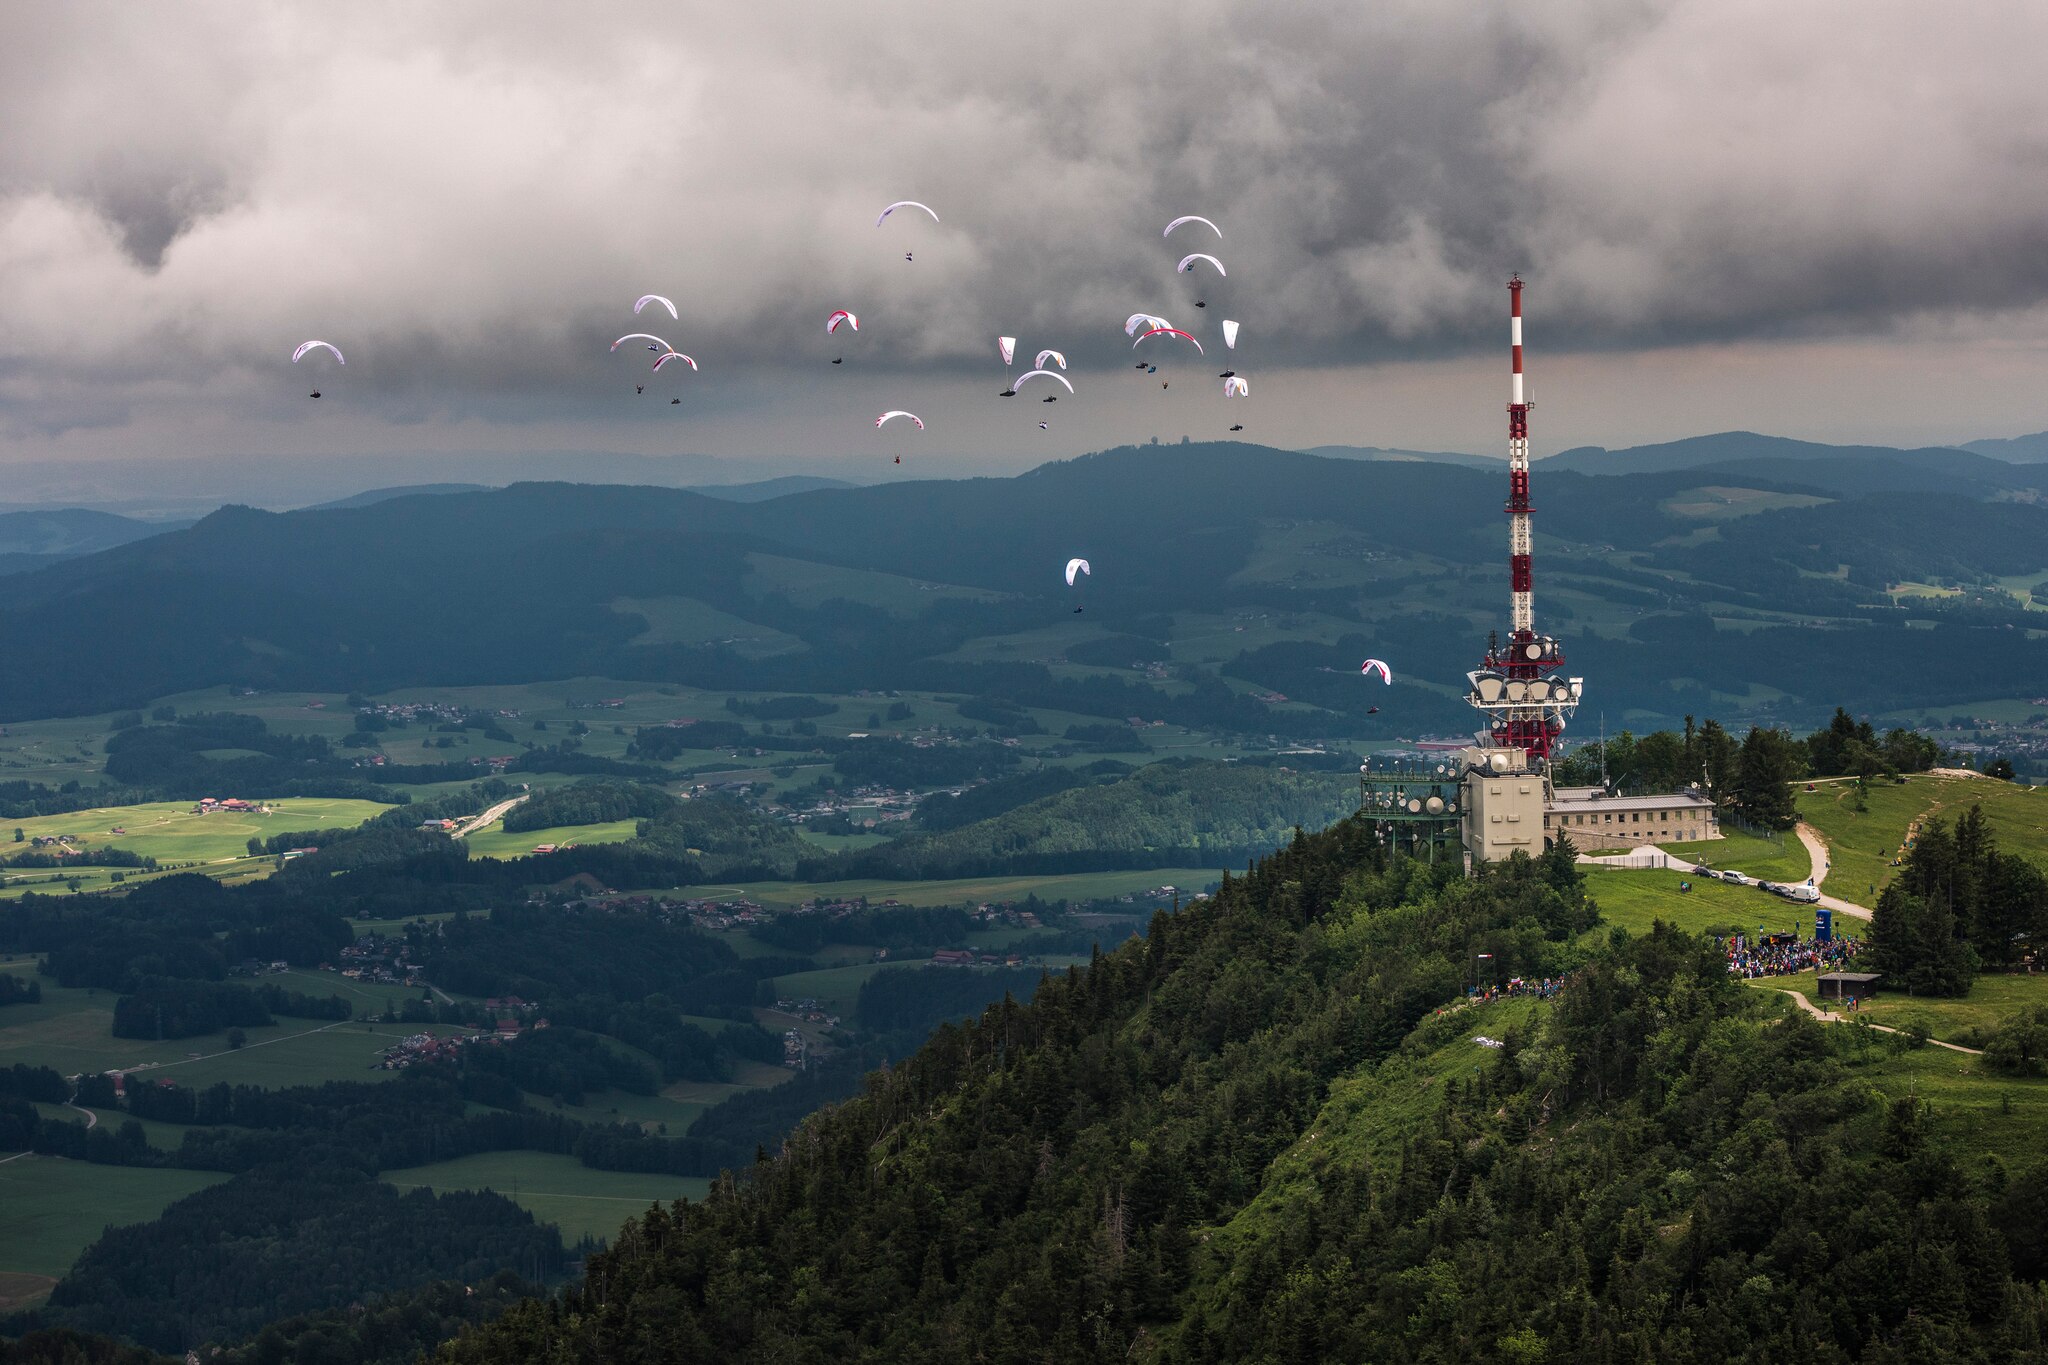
column 486, row 820
column 1817, row 851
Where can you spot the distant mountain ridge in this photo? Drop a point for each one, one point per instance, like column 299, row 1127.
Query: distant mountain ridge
column 2018, row 449
column 34, row 539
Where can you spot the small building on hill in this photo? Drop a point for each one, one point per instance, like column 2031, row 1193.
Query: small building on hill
column 1849, row 985
column 1592, row 819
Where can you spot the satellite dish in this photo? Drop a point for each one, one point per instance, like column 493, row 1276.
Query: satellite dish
column 1500, row 763
column 1517, row 690
column 1413, row 805
column 1489, row 688
column 1436, row 805
column 1533, row 651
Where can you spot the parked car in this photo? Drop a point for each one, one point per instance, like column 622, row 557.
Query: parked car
column 1738, row 878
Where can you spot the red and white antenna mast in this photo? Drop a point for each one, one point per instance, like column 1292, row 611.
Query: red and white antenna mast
column 1525, row 700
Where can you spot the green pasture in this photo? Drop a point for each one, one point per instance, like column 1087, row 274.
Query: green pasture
column 836, row 988
column 1974, row 1112
column 71, row 1030
column 52, row 1209
column 1783, row 859
column 555, row 1189
column 496, row 842
column 173, row 832
column 747, row 1076
column 1076, row 886
column 1637, row 898
column 1714, row 502
column 1862, row 844
column 687, row 621
column 811, row 585
column 1991, row 1001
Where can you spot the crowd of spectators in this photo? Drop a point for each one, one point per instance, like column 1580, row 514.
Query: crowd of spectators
column 1787, row 954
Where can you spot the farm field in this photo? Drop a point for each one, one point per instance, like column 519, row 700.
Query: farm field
column 555, row 1189
column 1861, row 844
column 72, row 1031
column 176, row 836
column 973, row 890
column 496, row 842
column 56, row 1208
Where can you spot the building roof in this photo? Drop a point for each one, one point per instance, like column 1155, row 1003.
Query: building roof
column 1569, row 799
column 1858, row 978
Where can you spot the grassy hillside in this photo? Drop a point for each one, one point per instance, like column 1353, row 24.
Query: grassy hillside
column 1863, row 844
column 1271, row 1131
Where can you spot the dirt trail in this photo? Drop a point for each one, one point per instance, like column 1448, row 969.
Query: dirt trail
column 1830, row 1017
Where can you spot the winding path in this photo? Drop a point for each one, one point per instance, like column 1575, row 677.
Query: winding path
column 1830, row 1017
column 1817, row 850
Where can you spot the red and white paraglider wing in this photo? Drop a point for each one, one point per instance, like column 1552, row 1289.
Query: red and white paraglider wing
column 1372, row 666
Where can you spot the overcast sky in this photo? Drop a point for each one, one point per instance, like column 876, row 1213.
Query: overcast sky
column 1819, row 219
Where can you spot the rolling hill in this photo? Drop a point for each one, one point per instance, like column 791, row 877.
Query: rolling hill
column 1688, row 589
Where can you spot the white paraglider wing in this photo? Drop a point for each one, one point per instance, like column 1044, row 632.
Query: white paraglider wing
column 1237, row 387
column 1077, row 566
column 640, row 336
column 841, row 315
column 1191, row 218
column 1374, row 665
column 675, row 355
column 898, row 412
column 306, row 346
column 1169, row 332
column 646, row 299
column 1054, row 356
column 1137, row 320
column 1049, row 374
column 1008, row 346
column 906, row 204
column 1230, row 334
column 1187, row 262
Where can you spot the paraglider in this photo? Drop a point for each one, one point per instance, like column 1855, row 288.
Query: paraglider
column 643, row 336
column 1049, row 374
column 898, row 412
column 306, row 346
column 1050, row 398
column 839, row 316
column 646, row 299
column 905, row 204
column 1370, row 665
column 1053, row 356
column 314, row 394
column 674, row 401
column 1171, row 331
column 1228, row 374
column 1007, row 393
column 839, row 360
column 1008, row 346
column 1200, row 304
column 1229, row 334
column 1238, row 427
column 1372, row 710
column 639, row 388
column 1191, row 218
column 674, row 355
column 1187, row 262
column 1044, row 426
column 1138, row 320
column 1237, row 388
column 1076, row 567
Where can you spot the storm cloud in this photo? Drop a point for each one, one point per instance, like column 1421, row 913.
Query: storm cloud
column 468, row 197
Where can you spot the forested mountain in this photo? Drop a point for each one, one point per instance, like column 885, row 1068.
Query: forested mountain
column 1256, row 1135
column 555, row 580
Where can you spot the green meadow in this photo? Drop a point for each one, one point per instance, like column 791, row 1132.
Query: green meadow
column 555, row 1189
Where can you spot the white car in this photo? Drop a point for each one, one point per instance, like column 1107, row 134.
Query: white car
column 1738, row 878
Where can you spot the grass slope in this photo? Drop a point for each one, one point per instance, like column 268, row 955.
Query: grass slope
column 1861, row 844
column 555, row 1189
column 54, row 1209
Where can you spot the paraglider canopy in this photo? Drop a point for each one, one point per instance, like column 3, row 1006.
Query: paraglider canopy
column 1008, row 346
column 1138, row 320
column 1076, row 567
column 906, row 204
column 1049, row 374
column 646, row 299
column 1053, row 356
column 306, row 346
column 898, row 412
column 630, row 336
column 1187, row 262
column 1191, row 218
column 1234, row 387
column 1230, row 334
column 1374, row 665
column 839, row 316
column 1170, row 332
column 675, row 355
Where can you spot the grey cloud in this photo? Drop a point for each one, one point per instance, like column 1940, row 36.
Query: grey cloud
column 469, row 196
